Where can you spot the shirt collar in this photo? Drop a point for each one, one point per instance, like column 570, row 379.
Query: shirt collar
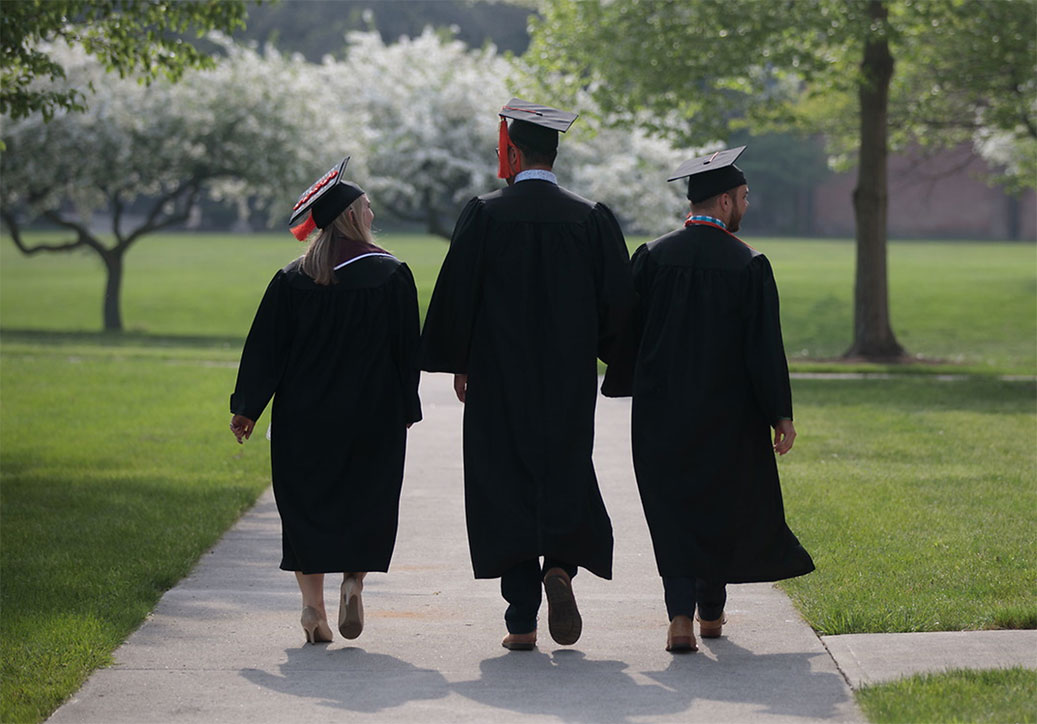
column 536, row 174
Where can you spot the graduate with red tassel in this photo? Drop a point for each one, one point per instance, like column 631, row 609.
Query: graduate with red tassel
column 534, row 288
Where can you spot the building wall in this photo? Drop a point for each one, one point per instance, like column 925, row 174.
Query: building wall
column 943, row 196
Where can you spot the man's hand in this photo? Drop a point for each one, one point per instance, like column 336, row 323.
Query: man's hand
column 241, row 426
column 784, row 435
column 461, row 386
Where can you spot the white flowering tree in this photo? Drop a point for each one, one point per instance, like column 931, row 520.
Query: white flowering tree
column 422, row 111
column 627, row 170
column 232, row 132
column 422, row 119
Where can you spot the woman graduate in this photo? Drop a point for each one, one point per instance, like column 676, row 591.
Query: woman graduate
column 334, row 342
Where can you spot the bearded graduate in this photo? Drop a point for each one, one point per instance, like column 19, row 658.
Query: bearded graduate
column 704, row 361
column 334, row 343
column 534, row 288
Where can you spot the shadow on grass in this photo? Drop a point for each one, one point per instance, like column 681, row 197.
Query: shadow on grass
column 980, row 394
column 59, row 338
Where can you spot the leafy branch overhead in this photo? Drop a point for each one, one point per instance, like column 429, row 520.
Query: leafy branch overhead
column 145, row 38
column 964, row 70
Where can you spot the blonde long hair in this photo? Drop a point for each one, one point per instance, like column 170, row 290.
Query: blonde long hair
column 318, row 262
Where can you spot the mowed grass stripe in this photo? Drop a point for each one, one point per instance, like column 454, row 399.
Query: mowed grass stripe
column 970, row 304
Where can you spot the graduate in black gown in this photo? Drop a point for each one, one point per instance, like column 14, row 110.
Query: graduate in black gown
column 535, row 286
column 334, row 342
column 704, row 360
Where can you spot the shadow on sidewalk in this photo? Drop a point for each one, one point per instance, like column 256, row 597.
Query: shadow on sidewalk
column 351, row 679
column 565, row 684
column 773, row 684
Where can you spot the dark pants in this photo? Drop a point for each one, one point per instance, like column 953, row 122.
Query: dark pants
column 683, row 594
column 522, row 588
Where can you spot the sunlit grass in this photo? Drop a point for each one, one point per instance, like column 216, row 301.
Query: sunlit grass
column 117, row 475
column 916, row 498
column 956, row 697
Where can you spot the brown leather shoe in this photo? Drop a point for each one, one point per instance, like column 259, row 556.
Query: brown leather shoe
column 711, row 629
column 680, row 639
column 520, row 642
column 563, row 618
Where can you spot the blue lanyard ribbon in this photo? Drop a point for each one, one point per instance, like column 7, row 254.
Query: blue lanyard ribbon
column 708, row 219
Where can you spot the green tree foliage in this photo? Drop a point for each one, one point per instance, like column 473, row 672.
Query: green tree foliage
column 865, row 72
column 129, row 37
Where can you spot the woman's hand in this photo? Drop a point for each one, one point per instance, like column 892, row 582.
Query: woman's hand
column 241, row 426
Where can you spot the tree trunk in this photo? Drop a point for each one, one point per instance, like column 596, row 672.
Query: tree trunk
column 872, row 334
column 433, row 221
column 113, row 289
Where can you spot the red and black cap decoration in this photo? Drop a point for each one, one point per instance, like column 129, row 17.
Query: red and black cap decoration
column 322, row 202
column 711, row 175
column 533, row 126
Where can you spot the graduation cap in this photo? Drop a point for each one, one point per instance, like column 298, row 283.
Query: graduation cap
column 322, row 202
column 533, row 126
column 711, row 175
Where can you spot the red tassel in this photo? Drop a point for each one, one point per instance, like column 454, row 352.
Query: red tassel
column 504, row 169
column 303, row 230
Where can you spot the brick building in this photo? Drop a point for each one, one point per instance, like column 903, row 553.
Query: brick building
column 943, row 196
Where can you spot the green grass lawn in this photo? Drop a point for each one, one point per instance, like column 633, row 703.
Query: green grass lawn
column 117, row 475
column 916, row 496
column 956, row 697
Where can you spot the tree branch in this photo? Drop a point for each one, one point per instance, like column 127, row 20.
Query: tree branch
column 83, row 237
column 16, row 235
column 189, row 192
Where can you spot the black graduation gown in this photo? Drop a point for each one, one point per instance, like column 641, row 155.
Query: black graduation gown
column 706, row 366
column 341, row 364
column 535, row 286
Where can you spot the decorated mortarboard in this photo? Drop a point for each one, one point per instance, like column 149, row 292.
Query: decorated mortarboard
column 533, row 126
column 322, row 202
column 711, row 175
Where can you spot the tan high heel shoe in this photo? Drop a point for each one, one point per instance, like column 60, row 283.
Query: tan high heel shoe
column 351, row 607
column 315, row 627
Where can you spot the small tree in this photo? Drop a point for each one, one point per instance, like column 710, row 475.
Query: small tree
column 145, row 155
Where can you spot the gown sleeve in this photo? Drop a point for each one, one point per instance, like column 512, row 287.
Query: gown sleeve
column 265, row 353
column 405, row 312
column 765, row 351
column 615, row 291
column 619, row 377
column 450, row 318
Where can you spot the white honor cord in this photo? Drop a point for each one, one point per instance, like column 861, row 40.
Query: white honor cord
column 362, row 256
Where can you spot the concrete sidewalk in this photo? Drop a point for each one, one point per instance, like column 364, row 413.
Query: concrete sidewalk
column 225, row 644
